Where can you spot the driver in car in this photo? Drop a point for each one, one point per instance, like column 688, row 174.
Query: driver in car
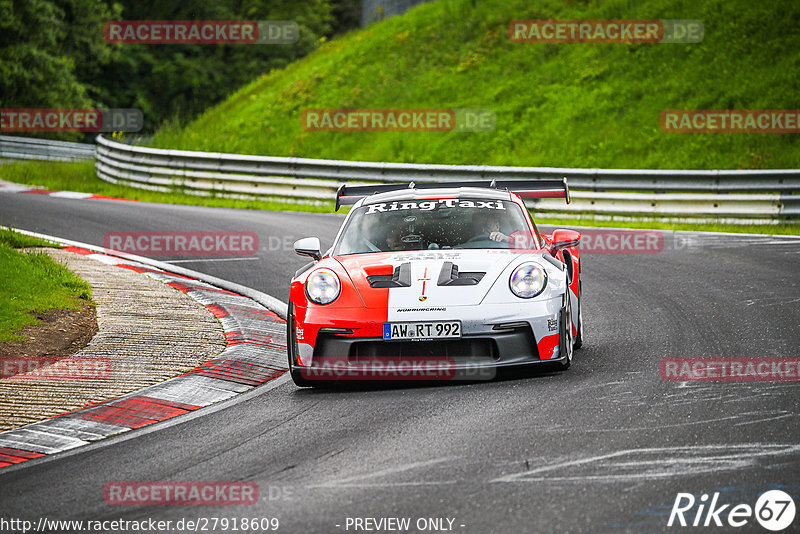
column 487, row 226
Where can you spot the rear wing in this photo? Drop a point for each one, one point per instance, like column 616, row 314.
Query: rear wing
column 350, row 194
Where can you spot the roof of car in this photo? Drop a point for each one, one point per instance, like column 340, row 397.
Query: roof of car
column 439, row 192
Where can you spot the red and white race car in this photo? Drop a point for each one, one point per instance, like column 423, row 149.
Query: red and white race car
column 436, row 281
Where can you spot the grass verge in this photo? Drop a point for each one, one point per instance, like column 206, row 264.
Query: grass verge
column 33, row 282
column 16, row 240
column 580, row 105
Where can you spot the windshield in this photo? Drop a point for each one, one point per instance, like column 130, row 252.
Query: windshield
column 444, row 223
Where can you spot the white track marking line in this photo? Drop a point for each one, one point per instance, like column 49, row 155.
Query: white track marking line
column 684, row 461
column 71, row 194
column 385, row 484
column 346, row 482
column 774, row 418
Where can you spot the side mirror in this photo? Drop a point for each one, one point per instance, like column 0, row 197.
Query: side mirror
column 564, row 239
column 308, row 246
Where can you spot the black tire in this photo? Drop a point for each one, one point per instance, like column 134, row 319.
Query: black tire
column 567, row 340
column 579, row 336
column 291, row 350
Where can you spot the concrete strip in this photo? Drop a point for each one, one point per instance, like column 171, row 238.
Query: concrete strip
column 255, row 355
column 149, row 331
column 31, row 439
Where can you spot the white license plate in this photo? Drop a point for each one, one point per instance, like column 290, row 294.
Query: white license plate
column 422, row 330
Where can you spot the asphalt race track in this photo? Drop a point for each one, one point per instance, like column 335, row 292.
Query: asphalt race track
column 603, row 447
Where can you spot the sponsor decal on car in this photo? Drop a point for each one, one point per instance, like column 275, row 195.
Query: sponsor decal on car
column 424, row 255
column 402, row 310
column 430, row 205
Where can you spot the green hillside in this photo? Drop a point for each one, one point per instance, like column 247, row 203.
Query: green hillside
column 570, row 105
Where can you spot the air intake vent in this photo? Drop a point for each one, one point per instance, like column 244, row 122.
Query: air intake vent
column 449, row 276
column 400, row 278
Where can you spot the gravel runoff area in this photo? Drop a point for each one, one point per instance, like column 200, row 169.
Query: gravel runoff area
column 147, row 332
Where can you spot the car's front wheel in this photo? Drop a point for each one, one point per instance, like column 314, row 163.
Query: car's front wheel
column 291, row 349
column 579, row 335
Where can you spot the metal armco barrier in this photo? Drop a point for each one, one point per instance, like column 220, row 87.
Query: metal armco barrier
column 710, row 194
column 31, row 148
column 724, row 195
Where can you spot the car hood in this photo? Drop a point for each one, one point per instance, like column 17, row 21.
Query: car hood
column 426, row 277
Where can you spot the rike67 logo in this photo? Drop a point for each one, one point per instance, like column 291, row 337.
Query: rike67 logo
column 774, row 510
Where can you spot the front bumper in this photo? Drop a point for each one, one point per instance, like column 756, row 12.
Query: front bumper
column 512, row 345
column 500, row 340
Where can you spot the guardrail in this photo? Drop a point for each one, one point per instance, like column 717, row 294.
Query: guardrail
column 32, row 148
column 757, row 194
column 735, row 196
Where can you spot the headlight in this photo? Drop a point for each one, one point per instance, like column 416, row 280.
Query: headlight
column 323, row 286
column 527, row 280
